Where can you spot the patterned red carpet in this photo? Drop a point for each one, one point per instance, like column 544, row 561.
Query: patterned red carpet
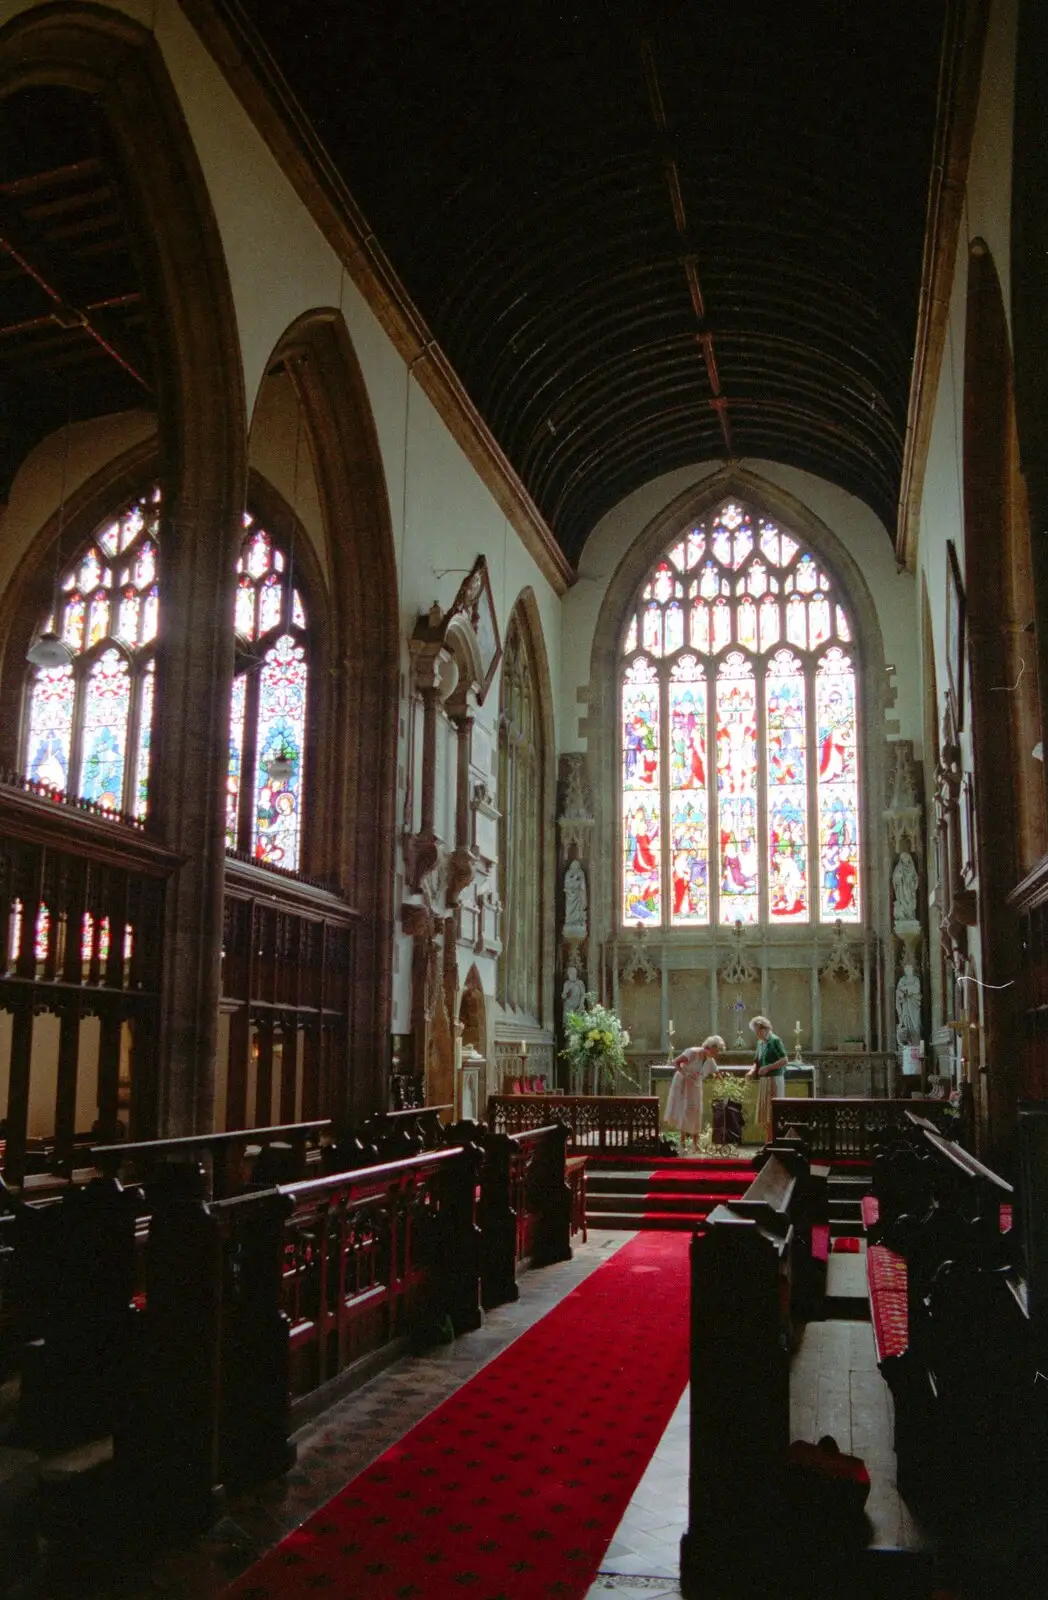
column 512, row 1489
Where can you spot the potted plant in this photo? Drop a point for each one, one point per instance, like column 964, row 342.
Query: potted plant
column 730, row 1093
column 595, row 1048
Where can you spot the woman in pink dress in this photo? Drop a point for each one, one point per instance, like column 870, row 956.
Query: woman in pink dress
column 684, row 1101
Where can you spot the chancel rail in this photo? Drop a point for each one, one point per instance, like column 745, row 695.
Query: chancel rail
column 848, row 1130
column 596, row 1122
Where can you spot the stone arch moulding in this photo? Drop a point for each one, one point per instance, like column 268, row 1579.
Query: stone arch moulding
column 354, row 841
column 526, row 610
column 202, row 440
column 601, row 721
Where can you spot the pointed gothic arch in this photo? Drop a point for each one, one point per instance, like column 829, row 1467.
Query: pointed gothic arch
column 527, row 785
column 117, row 62
column 354, row 785
column 601, row 725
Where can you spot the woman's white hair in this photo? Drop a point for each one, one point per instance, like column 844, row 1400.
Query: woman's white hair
column 714, row 1042
column 760, row 1022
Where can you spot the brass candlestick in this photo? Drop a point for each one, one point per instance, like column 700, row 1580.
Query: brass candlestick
column 797, row 1042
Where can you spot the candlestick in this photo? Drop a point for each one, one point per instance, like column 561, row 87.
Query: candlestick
column 797, row 1041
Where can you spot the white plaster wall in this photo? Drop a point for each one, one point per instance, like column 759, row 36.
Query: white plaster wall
column 986, row 216
column 861, row 533
column 279, row 450
column 36, row 493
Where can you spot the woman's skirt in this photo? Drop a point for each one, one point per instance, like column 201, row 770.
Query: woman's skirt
column 684, row 1104
column 768, row 1089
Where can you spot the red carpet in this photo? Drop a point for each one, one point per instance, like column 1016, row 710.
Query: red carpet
column 512, row 1489
column 718, row 1173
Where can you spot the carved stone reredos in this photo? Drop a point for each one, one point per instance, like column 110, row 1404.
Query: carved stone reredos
column 840, row 963
column 638, row 965
column 576, row 804
column 738, row 968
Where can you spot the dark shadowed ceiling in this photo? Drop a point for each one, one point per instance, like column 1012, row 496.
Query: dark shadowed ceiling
column 74, row 336
column 645, row 235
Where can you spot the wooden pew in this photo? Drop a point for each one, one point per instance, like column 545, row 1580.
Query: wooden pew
column 282, row 1152
column 524, row 1206
column 951, row 1331
column 257, row 1305
column 740, row 1389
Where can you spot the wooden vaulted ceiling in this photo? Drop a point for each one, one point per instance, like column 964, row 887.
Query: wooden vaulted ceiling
column 646, row 233
column 74, row 339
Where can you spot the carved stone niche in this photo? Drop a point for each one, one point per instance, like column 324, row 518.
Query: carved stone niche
column 576, row 820
column 484, row 827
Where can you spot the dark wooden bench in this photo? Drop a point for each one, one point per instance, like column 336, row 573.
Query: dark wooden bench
column 741, row 1262
column 232, row 1160
column 951, row 1333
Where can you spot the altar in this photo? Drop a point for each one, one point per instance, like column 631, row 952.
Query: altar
column 800, row 1079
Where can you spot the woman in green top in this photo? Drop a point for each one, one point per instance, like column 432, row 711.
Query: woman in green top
column 769, row 1068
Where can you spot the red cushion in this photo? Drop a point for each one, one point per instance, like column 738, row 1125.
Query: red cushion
column 1006, row 1218
column 871, row 1210
column 820, row 1241
column 846, row 1246
column 887, row 1280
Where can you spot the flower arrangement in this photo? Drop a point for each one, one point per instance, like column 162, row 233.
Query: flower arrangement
column 595, row 1046
column 730, row 1086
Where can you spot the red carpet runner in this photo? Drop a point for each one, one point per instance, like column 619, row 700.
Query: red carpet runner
column 512, row 1489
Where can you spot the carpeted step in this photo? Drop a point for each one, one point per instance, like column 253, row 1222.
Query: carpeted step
column 660, row 1222
column 632, row 1205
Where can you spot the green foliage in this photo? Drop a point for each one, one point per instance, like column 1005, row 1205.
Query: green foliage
column 732, row 1086
column 595, row 1043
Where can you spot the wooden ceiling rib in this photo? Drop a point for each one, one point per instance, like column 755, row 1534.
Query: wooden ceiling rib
column 646, row 233
column 74, row 335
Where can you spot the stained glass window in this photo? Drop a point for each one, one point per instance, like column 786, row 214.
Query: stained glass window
column 738, row 721
column 88, row 724
column 267, row 723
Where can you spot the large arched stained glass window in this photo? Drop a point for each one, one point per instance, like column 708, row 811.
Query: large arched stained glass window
column 738, row 722
column 88, row 722
column 267, row 725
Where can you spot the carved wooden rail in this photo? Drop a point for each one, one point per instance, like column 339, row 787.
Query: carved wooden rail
column 846, row 1130
column 256, row 1302
column 290, row 1146
column 596, row 1122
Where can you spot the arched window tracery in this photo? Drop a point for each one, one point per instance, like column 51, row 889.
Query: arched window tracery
column 88, row 722
column 267, row 725
column 738, row 720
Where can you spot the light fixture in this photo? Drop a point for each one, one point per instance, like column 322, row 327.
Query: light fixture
column 280, row 766
column 49, row 649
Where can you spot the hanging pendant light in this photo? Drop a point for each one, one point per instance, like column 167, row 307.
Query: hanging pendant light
column 280, row 766
column 49, row 649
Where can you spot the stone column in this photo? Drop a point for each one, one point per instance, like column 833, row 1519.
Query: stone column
column 189, row 765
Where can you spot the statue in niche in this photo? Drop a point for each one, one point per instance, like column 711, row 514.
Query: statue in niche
column 908, row 1007
column 904, row 886
column 575, row 897
column 573, row 993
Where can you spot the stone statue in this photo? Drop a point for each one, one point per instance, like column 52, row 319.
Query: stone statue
column 908, row 1007
column 904, row 885
column 575, row 895
column 573, row 993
